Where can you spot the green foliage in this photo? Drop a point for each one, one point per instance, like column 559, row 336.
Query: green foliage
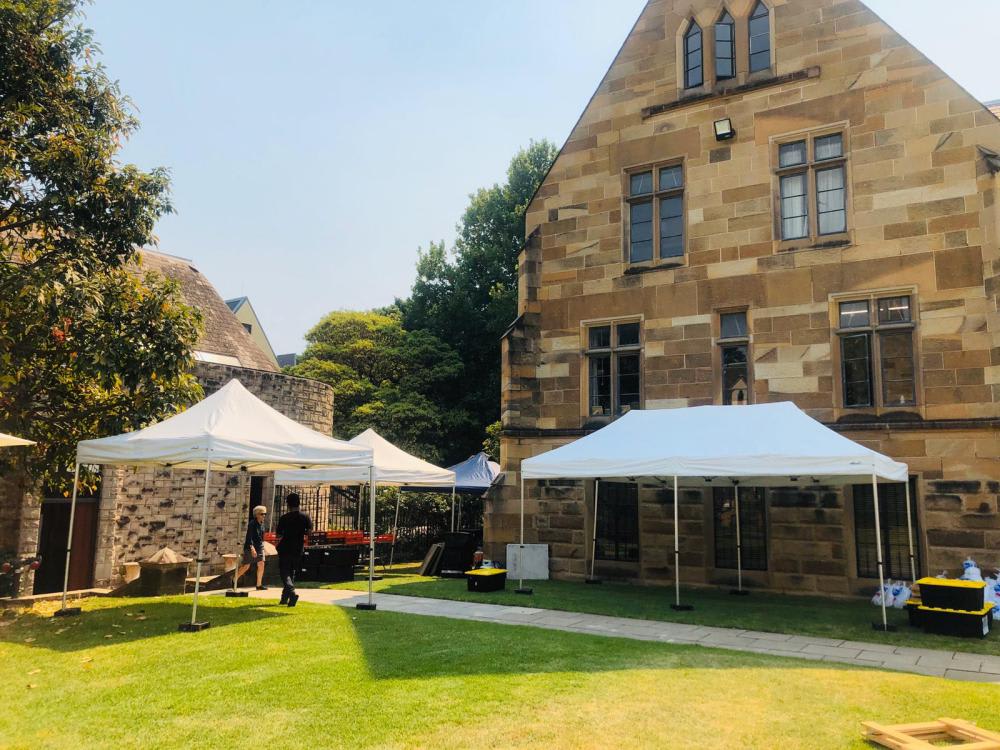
column 384, row 377
column 87, row 346
column 470, row 299
column 491, row 444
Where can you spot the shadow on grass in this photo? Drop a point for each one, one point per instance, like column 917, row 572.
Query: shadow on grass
column 108, row 622
column 403, row 647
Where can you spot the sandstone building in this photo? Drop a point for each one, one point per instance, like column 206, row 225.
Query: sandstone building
column 765, row 200
column 137, row 511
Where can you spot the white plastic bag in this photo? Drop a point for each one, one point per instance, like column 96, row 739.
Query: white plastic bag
column 884, row 594
column 972, row 571
column 901, row 594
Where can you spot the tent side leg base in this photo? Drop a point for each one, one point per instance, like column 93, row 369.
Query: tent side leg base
column 524, row 591
column 682, row 607
column 237, row 594
column 67, row 612
column 594, row 581
column 883, row 628
column 740, row 592
column 367, row 607
column 193, row 627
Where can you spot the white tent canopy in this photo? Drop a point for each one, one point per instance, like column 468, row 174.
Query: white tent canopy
column 231, row 430
column 766, row 445
column 393, row 467
column 10, row 441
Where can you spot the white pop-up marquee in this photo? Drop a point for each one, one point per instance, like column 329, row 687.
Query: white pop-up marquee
column 231, row 430
column 394, row 467
column 10, row 441
column 766, row 445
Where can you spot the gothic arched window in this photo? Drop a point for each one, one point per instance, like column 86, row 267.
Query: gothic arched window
column 694, row 69
column 760, row 38
column 725, row 47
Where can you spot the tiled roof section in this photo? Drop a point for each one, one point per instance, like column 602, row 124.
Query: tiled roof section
column 224, row 334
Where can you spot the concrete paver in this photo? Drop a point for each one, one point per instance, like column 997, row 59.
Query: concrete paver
column 949, row 664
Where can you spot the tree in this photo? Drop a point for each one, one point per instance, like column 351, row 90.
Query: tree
column 89, row 344
column 469, row 300
column 386, row 378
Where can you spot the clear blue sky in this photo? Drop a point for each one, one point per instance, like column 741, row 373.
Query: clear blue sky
column 314, row 146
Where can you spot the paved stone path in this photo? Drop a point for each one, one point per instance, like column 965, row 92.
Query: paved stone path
column 950, row 664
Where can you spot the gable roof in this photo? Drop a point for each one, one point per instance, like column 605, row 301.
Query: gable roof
column 224, row 335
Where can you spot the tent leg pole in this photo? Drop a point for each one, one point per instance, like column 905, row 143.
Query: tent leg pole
column 370, row 606
column 453, row 509
column 909, row 534
column 677, row 606
column 520, row 552
column 739, row 546
column 593, row 543
column 252, row 570
column 65, row 611
column 395, row 530
column 194, row 625
column 884, row 626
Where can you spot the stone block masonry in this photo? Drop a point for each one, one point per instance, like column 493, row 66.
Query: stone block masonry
column 919, row 161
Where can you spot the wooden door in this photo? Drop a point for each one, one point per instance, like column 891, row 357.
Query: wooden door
column 52, row 545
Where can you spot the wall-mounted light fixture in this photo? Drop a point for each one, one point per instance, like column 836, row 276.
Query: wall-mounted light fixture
column 724, row 130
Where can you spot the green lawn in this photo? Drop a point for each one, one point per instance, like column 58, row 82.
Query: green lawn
column 323, row 676
column 776, row 613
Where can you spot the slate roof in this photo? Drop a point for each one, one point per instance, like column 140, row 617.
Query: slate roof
column 224, row 335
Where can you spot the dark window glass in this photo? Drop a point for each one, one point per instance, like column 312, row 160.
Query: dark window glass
column 735, row 376
column 856, row 357
column 617, row 522
column 829, row 147
column 792, row 154
column 600, row 385
column 892, row 519
column 734, row 325
column 628, row 383
column 671, row 178
column 896, row 349
column 855, row 315
column 725, row 47
column 641, row 232
column 693, row 67
column 894, row 310
column 628, row 334
column 760, row 39
column 831, row 200
column 600, row 337
column 794, row 207
column 753, row 528
column 642, row 184
column 672, row 227
column 248, row 327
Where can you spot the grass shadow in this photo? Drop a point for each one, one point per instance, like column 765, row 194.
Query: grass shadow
column 106, row 621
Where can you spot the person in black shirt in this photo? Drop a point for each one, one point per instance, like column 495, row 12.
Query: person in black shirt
column 253, row 547
column 292, row 530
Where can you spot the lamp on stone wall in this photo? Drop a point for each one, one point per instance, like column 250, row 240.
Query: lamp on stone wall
column 724, row 130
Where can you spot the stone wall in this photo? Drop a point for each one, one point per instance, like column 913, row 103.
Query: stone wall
column 145, row 509
column 921, row 164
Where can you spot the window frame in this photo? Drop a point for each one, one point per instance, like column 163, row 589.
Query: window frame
column 732, row 342
column 687, row 70
column 731, row 23
column 770, row 39
column 811, row 169
column 754, row 529
column 655, row 199
column 614, row 352
column 627, row 550
column 873, row 330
